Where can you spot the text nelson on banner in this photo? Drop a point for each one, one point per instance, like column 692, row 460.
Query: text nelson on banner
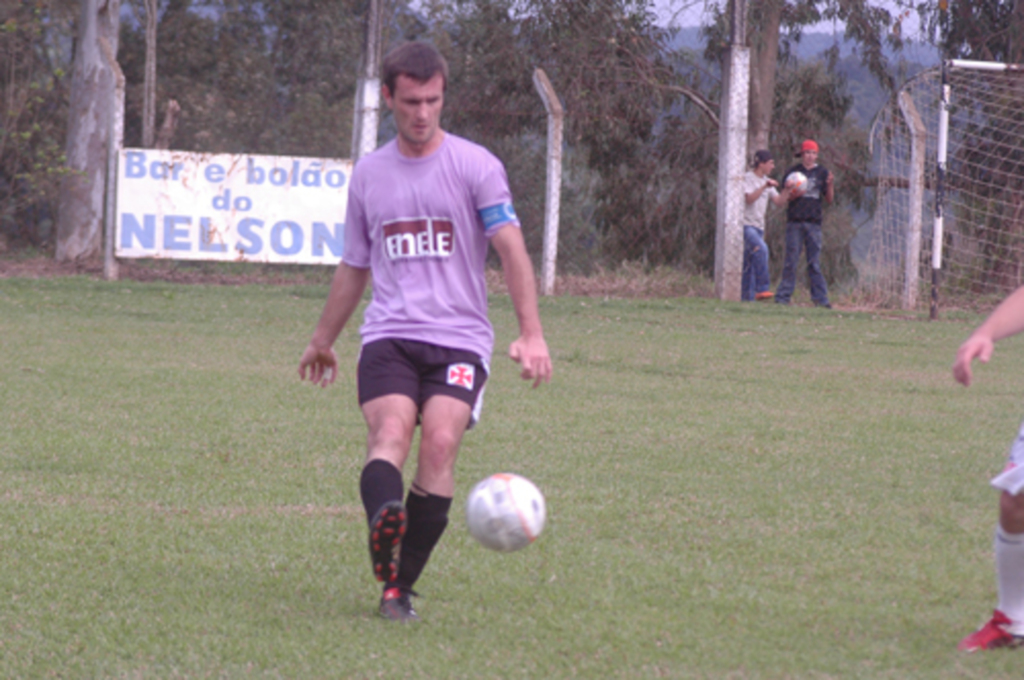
column 195, row 206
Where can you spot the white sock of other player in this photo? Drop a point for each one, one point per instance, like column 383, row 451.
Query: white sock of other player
column 1009, row 549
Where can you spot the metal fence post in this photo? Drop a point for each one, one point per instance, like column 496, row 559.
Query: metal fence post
column 554, row 179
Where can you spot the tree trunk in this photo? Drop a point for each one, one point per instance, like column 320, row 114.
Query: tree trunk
column 80, row 214
column 149, row 80
column 764, row 58
column 163, row 140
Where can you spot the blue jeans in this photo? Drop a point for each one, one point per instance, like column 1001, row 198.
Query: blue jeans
column 802, row 235
column 755, row 263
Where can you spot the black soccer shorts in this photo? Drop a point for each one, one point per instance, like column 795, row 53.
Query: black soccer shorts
column 419, row 370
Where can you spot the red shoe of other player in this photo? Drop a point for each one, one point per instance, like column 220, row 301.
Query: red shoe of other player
column 992, row 635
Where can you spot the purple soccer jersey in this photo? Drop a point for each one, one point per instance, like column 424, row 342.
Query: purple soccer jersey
column 422, row 226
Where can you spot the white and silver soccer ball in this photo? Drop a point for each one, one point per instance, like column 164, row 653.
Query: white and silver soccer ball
column 796, row 182
column 505, row 512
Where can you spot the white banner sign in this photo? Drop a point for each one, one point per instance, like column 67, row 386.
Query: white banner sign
column 195, row 206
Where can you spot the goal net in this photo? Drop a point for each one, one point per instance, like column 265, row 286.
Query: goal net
column 949, row 153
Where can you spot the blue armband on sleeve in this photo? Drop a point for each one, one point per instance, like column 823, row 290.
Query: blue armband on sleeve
column 497, row 214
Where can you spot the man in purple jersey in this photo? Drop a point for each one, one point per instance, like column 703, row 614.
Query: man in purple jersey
column 422, row 210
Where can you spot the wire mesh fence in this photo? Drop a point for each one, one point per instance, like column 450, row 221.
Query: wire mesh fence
column 982, row 193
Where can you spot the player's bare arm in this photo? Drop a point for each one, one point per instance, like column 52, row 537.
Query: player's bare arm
column 1007, row 319
column 529, row 350
column 782, row 198
column 319, row 358
column 754, row 195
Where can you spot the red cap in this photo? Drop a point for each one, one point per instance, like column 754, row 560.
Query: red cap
column 808, row 145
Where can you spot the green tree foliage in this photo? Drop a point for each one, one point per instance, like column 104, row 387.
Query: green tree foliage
column 649, row 154
column 775, row 27
column 641, row 138
column 984, row 30
column 611, row 66
column 608, row 61
column 255, row 77
column 34, row 56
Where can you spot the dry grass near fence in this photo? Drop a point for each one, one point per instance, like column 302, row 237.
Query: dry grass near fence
column 628, row 281
column 34, row 266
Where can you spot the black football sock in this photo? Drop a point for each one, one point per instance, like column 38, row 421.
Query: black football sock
column 427, row 520
column 380, row 483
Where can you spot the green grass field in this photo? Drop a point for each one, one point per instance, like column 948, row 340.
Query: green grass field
column 734, row 491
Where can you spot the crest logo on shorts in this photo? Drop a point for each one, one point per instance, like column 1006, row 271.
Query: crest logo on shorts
column 461, row 375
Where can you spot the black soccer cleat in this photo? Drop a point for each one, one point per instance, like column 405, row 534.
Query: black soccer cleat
column 386, row 530
column 395, row 605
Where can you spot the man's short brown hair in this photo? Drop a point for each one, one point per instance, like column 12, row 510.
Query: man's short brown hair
column 417, row 60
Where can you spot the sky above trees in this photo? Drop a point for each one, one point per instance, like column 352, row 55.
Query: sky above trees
column 693, row 13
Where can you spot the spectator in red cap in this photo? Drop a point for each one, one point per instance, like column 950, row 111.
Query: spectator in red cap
column 803, row 224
